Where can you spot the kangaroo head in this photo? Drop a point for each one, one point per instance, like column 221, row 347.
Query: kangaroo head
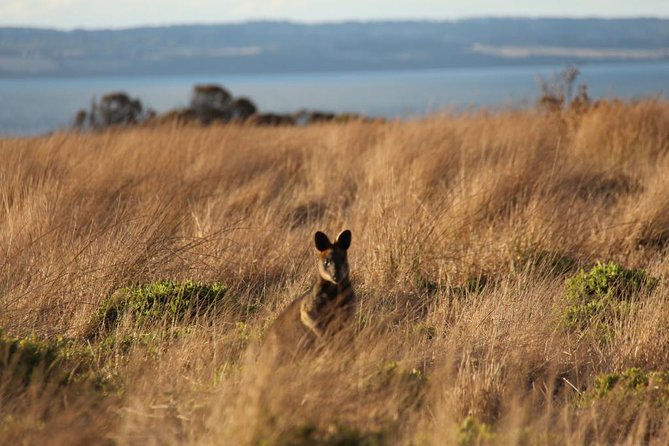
column 333, row 262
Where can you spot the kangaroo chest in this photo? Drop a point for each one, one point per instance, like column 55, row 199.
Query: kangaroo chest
column 331, row 296
column 326, row 303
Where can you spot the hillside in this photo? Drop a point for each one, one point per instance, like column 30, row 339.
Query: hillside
column 474, row 325
column 260, row 47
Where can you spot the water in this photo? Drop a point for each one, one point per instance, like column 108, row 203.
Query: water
column 32, row 106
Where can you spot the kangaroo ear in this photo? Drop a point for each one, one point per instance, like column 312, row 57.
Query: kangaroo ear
column 343, row 240
column 322, row 241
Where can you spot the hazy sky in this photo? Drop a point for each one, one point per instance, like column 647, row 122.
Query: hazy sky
column 123, row 13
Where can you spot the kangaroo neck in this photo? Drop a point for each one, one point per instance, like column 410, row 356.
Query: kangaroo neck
column 332, row 289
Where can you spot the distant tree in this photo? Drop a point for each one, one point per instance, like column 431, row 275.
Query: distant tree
column 552, row 93
column 115, row 109
column 581, row 101
column 569, row 75
column 80, row 119
column 211, row 102
column 242, row 108
column 557, row 92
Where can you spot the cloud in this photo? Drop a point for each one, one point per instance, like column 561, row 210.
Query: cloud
column 124, row 13
column 25, row 9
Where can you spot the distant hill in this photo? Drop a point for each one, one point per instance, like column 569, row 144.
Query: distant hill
column 258, row 47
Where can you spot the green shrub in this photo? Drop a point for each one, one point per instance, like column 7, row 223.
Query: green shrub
column 23, row 357
column 598, row 296
column 58, row 360
column 634, row 382
column 632, row 396
column 163, row 300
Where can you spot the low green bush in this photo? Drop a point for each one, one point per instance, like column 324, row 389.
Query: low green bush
column 631, row 397
column 57, row 360
column 162, row 300
column 598, row 296
column 24, row 357
column 633, row 383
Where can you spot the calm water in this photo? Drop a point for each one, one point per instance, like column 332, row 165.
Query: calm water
column 30, row 106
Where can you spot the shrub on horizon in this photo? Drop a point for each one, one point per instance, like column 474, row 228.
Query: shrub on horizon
column 557, row 92
column 211, row 102
column 114, row 109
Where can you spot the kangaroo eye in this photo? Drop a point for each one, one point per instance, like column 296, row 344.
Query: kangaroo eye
column 326, row 262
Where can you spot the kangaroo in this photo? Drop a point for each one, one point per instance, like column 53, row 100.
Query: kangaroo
column 326, row 308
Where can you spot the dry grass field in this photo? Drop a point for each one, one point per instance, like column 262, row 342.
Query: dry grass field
column 140, row 271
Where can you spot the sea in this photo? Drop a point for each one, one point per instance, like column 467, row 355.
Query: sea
column 31, row 106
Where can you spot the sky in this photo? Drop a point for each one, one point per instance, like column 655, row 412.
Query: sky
column 95, row 14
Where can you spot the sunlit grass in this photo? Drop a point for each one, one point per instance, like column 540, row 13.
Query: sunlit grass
column 465, row 228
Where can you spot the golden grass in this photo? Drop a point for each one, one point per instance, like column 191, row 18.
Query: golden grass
column 432, row 204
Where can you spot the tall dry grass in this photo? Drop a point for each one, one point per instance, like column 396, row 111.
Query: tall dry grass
column 459, row 319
